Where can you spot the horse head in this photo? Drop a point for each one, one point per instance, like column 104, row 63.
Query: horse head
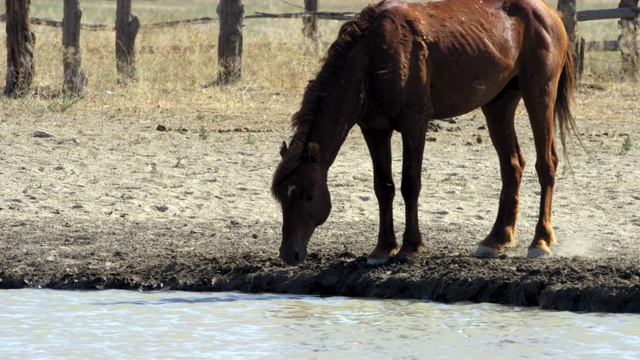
column 305, row 200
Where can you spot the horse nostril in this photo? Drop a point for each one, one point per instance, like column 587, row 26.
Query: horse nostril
column 296, row 256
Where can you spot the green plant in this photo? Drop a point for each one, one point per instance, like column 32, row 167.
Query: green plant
column 169, row 112
column 138, row 140
column 182, row 130
column 149, row 114
column 251, row 139
column 455, row 180
column 218, row 119
column 179, row 164
column 63, row 103
column 204, row 133
column 626, row 145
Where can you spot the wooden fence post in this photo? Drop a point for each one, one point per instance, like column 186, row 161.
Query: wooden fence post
column 629, row 42
column 569, row 19
column 20, row 44
column 74, row 76
column 230, row 13
column 310, row 23
column 127, row 26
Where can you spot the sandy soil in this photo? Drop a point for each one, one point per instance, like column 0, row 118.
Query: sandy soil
column 118, row 204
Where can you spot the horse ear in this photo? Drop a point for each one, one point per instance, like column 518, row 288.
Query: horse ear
column 283, row 149
column 314, row 152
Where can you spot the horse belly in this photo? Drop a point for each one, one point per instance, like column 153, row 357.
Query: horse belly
column 463, row 82
column 449, row 100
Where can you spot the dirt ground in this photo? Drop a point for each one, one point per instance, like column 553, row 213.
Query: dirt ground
column 116, row 203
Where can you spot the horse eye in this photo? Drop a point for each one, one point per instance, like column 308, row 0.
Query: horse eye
column 309, row 196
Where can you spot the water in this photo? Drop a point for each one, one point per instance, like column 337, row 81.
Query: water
column 48, row 324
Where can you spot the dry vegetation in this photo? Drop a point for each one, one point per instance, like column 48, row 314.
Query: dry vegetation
column 174, row 67
column 176, row 64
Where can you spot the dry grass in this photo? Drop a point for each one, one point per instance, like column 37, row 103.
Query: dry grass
column 176, row 64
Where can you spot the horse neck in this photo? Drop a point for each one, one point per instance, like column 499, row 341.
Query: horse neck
column 340, row 112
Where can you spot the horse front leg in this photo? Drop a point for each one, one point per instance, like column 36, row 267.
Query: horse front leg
column 413, row 140
column 379, row 144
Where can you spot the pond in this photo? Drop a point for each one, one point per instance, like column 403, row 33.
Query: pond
column 127, row 324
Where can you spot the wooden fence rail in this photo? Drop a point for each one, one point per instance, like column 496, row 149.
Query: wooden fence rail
column 606, row 45
column 324, row 15
column 618, row 13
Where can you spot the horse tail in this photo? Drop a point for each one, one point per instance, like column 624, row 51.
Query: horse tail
column 564, row 98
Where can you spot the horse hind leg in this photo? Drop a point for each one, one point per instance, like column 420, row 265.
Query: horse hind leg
column 539, row 98
column 500, row 113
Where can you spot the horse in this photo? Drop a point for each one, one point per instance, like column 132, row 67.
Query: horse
column 398, row 65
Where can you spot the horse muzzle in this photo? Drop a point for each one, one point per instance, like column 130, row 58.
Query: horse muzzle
column 293, row 256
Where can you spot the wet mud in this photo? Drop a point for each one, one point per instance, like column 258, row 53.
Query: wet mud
column 241, row 259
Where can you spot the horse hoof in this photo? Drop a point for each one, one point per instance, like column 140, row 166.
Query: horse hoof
column 486, row 252
column 537, row 253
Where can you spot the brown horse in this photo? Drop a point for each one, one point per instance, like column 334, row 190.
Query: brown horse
column 398, row 65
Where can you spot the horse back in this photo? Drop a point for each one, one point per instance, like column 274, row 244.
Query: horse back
column 447, row 58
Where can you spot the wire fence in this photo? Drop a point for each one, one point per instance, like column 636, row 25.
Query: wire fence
column 324, row 15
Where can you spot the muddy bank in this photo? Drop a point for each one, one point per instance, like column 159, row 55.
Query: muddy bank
column 183, row 257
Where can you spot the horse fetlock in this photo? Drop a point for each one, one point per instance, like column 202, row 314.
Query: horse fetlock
column 499, row 237
column 412, row 247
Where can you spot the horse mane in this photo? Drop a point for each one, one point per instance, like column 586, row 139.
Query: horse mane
column 316, row 91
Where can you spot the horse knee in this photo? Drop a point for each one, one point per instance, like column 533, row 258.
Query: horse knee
column 385, row 191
